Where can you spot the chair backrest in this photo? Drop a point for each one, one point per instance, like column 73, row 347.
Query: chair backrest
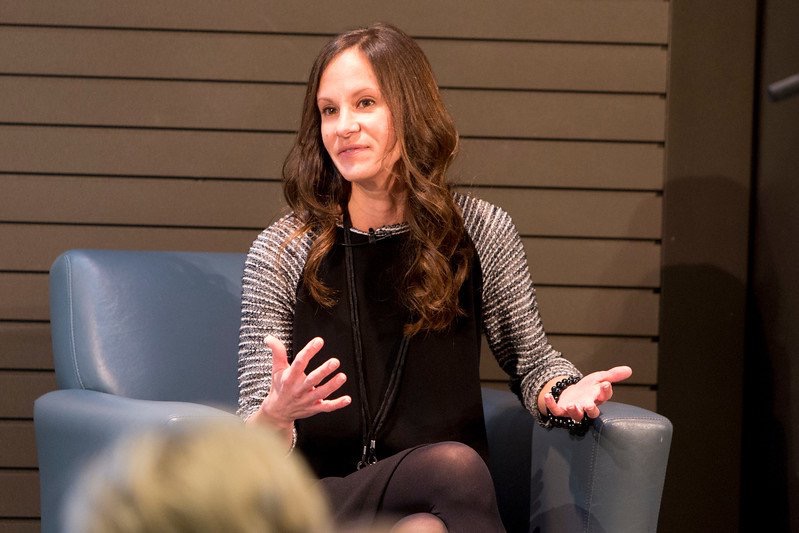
column 147, row 325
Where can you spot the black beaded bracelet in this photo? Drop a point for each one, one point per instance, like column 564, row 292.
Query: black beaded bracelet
column 566, row 422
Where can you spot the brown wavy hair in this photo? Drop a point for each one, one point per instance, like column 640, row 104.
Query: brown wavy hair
column 439, row 255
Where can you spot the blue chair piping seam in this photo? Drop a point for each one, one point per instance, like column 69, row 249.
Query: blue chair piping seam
column 68, row 261
column 607, row 419
column 176, row 418
column 592, row 469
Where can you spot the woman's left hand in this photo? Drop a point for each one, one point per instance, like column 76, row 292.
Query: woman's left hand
column 585, row 396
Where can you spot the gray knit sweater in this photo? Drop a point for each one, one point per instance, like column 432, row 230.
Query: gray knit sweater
column 511, row 321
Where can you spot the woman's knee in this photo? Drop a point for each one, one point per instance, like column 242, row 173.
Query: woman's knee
column 420, row 523
column 449, row 480
column 456, row 453
column 451, row 465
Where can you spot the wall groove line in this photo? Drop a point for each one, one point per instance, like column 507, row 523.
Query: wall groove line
column 425, row 37
column 453, row 88
column 293, row 132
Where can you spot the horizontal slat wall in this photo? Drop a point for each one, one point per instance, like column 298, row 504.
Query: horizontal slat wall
column 593, row 262
column 285, row 58
column 616, row 21
column 26, row 346
column 252, row 204
column 580, row 310
column 155, row 125
column 274, row 107
column 237, row 155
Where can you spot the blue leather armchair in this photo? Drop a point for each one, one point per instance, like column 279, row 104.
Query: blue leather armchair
column 142, row 339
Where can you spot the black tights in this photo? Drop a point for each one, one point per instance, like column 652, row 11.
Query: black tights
column 449, row 480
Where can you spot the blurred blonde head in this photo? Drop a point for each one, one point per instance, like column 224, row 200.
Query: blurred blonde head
column 217, row 477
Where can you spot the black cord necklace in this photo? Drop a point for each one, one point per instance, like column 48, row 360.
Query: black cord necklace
column 370, row 428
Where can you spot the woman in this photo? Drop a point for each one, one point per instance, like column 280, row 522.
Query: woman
column 383, row 267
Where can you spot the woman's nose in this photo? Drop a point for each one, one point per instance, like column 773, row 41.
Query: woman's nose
column 347, row 124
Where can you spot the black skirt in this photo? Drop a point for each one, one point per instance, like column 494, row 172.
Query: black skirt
column 358, row 497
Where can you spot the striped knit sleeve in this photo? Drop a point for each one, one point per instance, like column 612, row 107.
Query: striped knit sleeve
column 511, row 321
column 272, row 273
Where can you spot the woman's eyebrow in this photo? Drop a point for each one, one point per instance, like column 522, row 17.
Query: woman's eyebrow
column 371, row 90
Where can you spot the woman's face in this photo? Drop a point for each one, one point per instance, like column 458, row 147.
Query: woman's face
column 357, row 127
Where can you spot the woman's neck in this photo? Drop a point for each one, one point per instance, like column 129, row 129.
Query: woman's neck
column 375, row 208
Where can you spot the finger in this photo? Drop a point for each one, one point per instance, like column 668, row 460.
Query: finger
column 318, row 376
column 575, row 412
column 280, row 360
column 326, row 406
column 614, row 375
column 552, row 406
column 332, row 385
column 592, row 411
column 605, row 392
column 304, row 356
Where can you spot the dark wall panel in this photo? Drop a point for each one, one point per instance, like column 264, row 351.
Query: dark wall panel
column 561, row 164
column 772, row 363
column 169, row 55
column 26, row 346
column 21, row 389
column 38, row 245
column 107, row 151
column 597, row 262
column 144, row 202
column 705, row 235
column 17, row 444
column 19, row 494
column 25, row 297
column 580, row 213
column 580, row 310
column 19, row 525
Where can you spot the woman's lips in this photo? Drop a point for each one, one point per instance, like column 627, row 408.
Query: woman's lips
column 351, row 150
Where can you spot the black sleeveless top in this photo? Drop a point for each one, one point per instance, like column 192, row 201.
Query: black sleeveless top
column 439, row 393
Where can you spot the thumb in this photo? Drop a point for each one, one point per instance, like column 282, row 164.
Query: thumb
column 280, row 360
column 616, row 374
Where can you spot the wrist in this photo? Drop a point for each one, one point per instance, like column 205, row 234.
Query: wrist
column 267, row 414
column 575, row 427
column 545, row 390
column 561, row 385
column 260, row 419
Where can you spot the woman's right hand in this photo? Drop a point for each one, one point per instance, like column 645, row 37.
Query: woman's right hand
column 295, row 394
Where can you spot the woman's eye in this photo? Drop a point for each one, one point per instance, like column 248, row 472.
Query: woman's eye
column 366, row 102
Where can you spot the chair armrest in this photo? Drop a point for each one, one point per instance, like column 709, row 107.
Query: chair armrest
column 611, row 479
column 73, row 426
column 509, row 428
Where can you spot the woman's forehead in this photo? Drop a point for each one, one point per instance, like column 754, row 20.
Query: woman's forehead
column 349, row 70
